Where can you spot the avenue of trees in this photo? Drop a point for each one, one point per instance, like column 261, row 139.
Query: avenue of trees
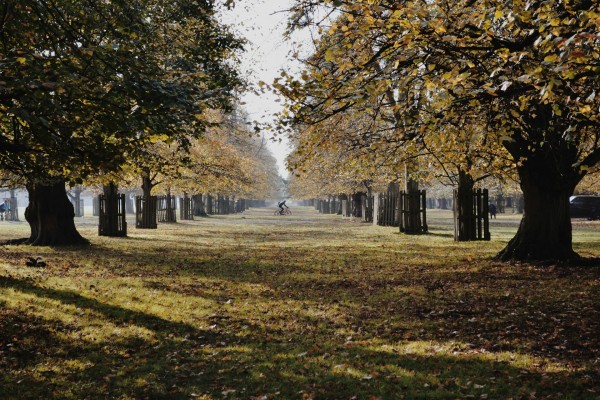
column 473, row 88
column 107, row 93
column 93, row 92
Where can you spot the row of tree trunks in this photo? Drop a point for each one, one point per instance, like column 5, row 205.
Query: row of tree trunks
column 50, row 213
column 544, row 232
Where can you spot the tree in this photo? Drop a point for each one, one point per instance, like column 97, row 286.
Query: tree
column 527, row 69
column 85, row 84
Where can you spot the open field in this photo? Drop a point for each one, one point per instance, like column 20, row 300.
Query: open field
column 300, row 307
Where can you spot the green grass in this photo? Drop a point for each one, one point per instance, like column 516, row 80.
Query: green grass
column 301, row 307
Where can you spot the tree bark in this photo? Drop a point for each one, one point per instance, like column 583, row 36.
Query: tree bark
column 357, row 201
column 463, row 207
column 50, row 216
column 146, row 218
column 545, row 232
column 199, row 210
column 75, row 197
column 147, row 184
column 209, row 204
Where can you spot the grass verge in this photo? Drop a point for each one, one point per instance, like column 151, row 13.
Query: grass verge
column 307, row 306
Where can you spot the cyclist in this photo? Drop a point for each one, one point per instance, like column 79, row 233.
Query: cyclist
column 281, row 205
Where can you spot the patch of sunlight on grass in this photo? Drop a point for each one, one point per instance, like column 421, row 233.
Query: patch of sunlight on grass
column 80, row 323
column 460, row 351
column 309, row 306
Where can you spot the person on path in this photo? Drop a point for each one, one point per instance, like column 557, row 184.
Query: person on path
column 492, row 209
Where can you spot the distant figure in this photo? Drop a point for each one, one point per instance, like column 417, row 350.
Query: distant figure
column 3, row 209
column 281, row 205
column 492, row 209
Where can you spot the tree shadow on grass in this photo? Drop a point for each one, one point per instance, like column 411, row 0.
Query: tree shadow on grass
column 182, row 360
column 492, row 310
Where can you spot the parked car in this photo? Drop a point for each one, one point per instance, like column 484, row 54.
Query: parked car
column 585, row 207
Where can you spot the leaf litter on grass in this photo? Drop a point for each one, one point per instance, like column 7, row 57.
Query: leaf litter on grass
column 310, row 307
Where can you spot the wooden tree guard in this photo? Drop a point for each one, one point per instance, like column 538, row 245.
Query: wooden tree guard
column 413, row 212
column 111, row 220
column 387, row 208
column 209, row 205
column 475, row 223
column 145, row 212
column 240, row 206
column 185, row 209
column 166, row 208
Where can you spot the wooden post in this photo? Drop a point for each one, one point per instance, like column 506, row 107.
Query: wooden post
column 486, row 216
column 376, row 200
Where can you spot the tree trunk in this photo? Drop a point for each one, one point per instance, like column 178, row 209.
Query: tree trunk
column 75, row 197
column 50, row 216
column 109, row 216
column 209, row 204
column 199, row 210
column 357, row 204
column 170, row 211
column 147, row 184
column 463, row 208
column 545, row 232
column 129, row 201
column 146, row 218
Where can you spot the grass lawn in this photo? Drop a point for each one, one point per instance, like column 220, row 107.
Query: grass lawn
column 301, row 307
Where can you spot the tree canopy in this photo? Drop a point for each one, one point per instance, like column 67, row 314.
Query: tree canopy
column 85, row 83
column 523, row 75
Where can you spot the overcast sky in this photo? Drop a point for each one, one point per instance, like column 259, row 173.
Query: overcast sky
column 262, row 23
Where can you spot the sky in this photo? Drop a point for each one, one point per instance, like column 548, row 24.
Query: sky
column 262, row 23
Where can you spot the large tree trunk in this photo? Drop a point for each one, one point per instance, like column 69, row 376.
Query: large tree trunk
column 50, row 216
column 545, row 232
